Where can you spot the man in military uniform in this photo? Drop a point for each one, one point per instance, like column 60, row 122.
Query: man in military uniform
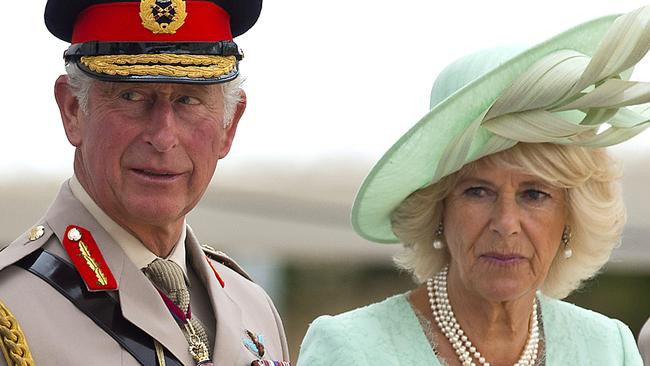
column 112, row 274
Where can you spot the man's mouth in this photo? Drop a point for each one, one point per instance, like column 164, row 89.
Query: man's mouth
column 156, row 174
column 151, row 172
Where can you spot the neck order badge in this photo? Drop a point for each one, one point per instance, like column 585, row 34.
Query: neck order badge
column 198, row 349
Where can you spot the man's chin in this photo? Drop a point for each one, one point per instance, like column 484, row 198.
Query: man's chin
column 154, row 213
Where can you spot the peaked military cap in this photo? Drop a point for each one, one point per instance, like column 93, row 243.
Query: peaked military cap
column 186, row 41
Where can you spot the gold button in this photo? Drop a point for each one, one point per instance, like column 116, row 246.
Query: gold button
column 36, row 232
column 74, row 234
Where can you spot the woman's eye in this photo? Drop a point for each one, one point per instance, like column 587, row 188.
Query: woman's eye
column 132, row 96
column 476, row 192
column 535, row 195
column 188, row 100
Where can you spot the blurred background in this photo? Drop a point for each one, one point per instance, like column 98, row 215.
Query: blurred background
column 331, row 85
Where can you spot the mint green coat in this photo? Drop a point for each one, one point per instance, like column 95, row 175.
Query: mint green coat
column 389, row 333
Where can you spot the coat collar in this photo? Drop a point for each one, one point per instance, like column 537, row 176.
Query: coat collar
column 228, row 348
column 140, row 302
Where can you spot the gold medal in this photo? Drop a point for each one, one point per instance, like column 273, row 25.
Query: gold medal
column 198, row 349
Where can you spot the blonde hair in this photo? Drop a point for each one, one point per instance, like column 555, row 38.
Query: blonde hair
column 596, row 213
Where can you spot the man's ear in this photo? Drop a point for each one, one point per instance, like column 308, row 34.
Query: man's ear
column 229, row 131
column 69, row 108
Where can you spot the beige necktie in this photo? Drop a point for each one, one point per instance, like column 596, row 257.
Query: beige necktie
column 168, row 277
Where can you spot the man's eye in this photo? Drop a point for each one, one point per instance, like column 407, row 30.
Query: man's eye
column 188, row 100
column 132, row 96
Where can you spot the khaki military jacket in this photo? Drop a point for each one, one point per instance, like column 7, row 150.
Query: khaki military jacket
column 57, row 333
column 644, row 342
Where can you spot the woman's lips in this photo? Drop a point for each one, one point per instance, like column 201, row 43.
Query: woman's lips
column 502, row 258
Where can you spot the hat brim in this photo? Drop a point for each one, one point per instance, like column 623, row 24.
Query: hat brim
column 167, row 68
column 182, row 62
column 411, row 162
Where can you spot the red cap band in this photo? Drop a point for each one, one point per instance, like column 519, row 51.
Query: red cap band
column 121, row 22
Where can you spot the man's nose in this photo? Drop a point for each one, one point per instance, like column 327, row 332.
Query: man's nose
column 162, row 128
column 506, row 217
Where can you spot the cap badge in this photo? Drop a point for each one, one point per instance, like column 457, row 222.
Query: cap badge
column 162, row 16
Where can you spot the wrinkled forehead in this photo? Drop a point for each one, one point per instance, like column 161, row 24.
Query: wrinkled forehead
column 490, row 169
column 211, row 90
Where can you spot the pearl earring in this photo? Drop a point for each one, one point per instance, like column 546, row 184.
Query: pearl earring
column 566, row 238
column 437, row 240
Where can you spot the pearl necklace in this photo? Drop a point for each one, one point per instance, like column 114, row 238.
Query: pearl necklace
column 466, row 351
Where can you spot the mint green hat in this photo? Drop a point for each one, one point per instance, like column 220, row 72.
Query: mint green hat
column 570, row 89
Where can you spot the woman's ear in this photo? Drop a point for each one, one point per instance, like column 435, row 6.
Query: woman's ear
column 69, row 109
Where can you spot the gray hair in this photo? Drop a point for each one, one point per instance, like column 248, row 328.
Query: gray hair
column 80, row 83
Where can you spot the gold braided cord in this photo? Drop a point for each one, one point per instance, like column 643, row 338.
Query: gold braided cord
column 14, row 345
column 567, row 98
column 193, row 66
column 160, row 353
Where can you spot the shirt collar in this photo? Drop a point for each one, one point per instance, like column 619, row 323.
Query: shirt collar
column 134, row 249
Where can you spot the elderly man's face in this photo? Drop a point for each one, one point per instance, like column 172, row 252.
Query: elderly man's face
column 503, row 229
column 146, row 152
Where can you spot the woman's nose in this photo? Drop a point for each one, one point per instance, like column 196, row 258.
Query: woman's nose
column 506, row 217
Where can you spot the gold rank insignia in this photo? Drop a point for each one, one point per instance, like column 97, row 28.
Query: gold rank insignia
column 163, row 16
column 88, row 259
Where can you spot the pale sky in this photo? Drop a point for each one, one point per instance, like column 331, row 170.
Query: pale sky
column 340, row 78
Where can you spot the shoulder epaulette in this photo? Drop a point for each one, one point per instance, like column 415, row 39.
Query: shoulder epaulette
column 26, row 243
column 224, row 259
column 14, row 344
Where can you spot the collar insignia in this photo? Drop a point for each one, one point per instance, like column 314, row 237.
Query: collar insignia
column 88, row 260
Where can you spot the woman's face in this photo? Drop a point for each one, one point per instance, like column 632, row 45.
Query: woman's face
column 503, row 229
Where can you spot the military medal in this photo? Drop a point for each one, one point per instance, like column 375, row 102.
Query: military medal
column 255, row 344
column 269, row 363
column 197, row 348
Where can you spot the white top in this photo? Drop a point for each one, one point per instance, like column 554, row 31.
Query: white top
column 134, row 249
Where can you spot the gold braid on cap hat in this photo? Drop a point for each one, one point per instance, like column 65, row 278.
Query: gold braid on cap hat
column 14, row 345
column 193, row 66
column 541, row 105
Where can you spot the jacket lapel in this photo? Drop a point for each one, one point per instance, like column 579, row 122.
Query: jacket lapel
column 140, row 302
column 229, row 328
column 142, row 305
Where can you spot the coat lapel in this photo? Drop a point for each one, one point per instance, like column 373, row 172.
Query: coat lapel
column 140, row 302
column 228, row 347
column 142, row 305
